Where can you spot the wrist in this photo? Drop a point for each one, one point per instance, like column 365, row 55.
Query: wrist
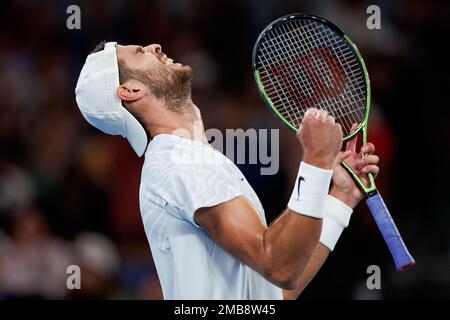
column 318, row 161
column 346, row 197
column 310, row 191
column 336, row 219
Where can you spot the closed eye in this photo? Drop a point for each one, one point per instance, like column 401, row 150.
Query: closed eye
column 139, row 50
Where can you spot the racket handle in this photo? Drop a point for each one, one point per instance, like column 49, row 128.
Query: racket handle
column 402, row 258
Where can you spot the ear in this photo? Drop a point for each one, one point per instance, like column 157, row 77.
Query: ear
column 132, row 90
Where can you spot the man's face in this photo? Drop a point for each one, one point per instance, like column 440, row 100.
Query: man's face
column 146, row 58
column 165, row 79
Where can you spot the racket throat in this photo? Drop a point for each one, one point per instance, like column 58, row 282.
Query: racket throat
column 368, row 191
column 370, row 194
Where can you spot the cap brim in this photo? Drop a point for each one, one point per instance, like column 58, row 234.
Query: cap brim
column 135, row 133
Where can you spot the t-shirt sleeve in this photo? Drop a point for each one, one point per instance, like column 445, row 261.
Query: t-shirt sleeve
column 198, row 187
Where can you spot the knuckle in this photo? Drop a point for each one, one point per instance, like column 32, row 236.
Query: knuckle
column 311, row 111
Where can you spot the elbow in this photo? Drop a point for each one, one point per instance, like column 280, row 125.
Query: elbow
column 283, row 279
column 287, row 274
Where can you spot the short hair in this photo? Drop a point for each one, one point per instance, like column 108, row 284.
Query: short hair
column 124, row 73
column 99, row 47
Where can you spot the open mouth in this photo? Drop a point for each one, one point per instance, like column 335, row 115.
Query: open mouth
column 169, row 62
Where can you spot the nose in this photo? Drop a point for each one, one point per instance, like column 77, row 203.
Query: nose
column 154, row 48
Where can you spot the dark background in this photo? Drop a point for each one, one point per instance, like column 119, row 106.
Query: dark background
column 69, row 194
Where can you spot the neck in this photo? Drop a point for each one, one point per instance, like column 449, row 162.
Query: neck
column 186, row 123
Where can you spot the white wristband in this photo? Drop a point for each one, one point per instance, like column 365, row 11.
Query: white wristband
column 336, row 218
column 310, row 191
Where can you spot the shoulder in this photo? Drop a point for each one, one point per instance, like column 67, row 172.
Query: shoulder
column 170, row 157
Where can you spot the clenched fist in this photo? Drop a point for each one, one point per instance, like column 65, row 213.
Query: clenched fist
column 320, row 137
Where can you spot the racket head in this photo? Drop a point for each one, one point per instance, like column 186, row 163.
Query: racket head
column 282, row 58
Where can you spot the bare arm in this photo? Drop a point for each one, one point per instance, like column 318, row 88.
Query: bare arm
column 316, row 262
column 280, row 252
column 345, row 190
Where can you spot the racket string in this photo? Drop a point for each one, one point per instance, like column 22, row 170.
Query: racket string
column 289, row 43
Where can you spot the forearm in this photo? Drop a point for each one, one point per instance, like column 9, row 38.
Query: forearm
column 316, row 262
column 335, row 221
column 289, row 242
column 287, row 247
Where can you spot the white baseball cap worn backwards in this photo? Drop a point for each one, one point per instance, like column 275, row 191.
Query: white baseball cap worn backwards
column 96, row 95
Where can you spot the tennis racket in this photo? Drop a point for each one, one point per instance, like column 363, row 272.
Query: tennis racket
column 302, row 61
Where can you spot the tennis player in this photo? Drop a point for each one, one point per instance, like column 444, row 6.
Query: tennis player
column 205, row 224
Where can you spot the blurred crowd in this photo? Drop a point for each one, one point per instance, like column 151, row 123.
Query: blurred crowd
column 69, row 194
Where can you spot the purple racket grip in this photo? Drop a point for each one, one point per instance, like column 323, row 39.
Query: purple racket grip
column 402, row 258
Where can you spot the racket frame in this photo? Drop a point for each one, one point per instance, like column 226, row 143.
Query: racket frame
column 362, row 127
column 403, row 259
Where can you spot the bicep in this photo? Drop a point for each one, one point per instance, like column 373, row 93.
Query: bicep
column 236, row 227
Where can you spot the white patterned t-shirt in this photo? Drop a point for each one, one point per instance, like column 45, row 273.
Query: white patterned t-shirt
column 180, row 176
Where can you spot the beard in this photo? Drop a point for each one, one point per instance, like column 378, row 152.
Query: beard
column 171, row 84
